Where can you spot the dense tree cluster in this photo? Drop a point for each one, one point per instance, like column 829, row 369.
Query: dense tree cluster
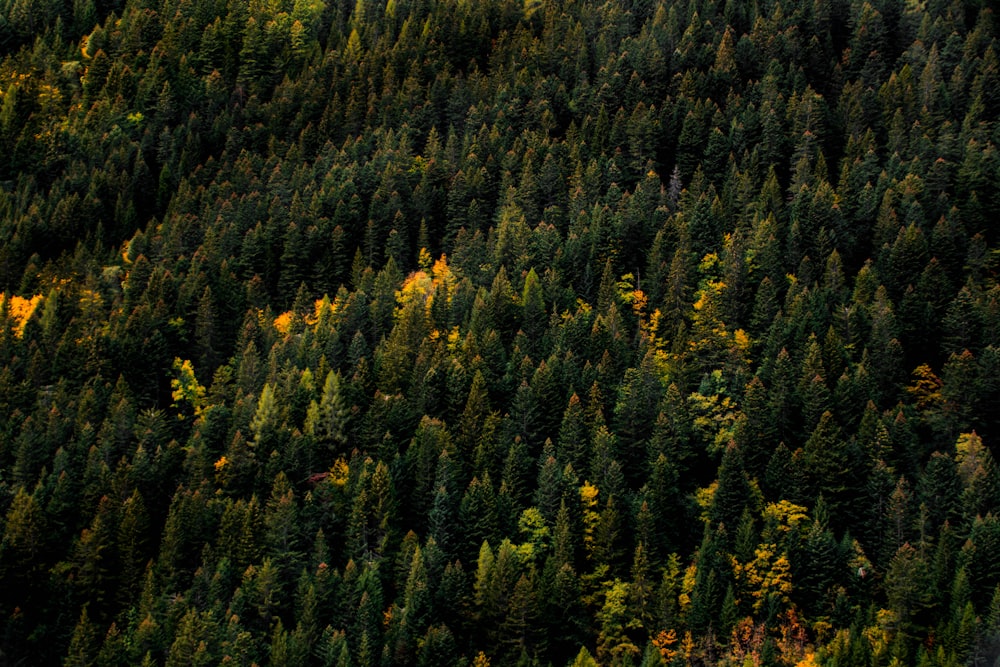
column 472, row 332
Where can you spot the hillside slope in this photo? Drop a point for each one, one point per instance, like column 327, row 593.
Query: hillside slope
column 444, row 332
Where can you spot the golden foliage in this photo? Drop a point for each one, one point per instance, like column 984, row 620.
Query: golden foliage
column 424, row 259
column 970, row 454
column 769, row 573
column 454, row 339
column 704, row 497
column 417, row 288
column 20, row 310
column 742, row 340
column 663, row 641
column 688, row 646
column 808, row 661
column 339, row 473
column 714, row 416
column 588, row 498
column 687, row 587
column 186, row 387
column 926, row 387
column 881, row 634
column 785, row 515
column 283, row 322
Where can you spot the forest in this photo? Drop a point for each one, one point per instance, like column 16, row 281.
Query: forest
column 471, row 333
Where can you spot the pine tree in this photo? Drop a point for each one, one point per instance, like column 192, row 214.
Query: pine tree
column 327, row 419
column 478, row 514
column 732, row 494
column 573, row 436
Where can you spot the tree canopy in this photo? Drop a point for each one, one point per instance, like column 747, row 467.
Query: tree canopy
column 555, row 332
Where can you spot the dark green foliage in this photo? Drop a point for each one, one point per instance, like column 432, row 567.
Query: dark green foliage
column 384, row 333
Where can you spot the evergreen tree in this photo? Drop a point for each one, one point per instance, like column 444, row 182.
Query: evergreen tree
column 724, row 266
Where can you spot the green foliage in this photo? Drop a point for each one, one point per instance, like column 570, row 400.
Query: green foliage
column 729, row 261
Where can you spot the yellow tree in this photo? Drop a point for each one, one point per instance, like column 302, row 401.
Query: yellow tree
column 186, row 388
